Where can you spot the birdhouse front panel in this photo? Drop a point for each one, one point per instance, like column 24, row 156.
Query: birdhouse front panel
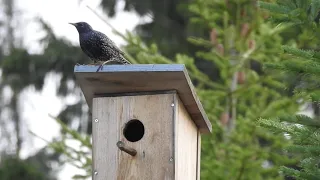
column 144, row 123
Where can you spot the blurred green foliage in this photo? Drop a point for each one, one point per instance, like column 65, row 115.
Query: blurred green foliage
column 79, row 157
column 304, row 63
column 14, row 168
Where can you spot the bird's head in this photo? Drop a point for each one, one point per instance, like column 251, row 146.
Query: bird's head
column 82, row 27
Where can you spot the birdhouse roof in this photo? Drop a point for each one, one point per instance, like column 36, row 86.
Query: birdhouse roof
column 135, row 78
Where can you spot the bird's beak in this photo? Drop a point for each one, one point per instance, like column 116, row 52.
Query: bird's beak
column 74, row 24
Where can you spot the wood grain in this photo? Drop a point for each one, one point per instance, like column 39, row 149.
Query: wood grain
column 115, row 79
column 154, row 150
column 186, row 145
column 199, row 156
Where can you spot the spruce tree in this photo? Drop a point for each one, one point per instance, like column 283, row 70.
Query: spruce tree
column 303, row 130
column 240, row 41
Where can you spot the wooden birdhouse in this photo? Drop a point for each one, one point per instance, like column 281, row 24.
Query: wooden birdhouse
column 147, row 121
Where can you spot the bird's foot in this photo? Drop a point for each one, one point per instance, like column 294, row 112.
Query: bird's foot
column 112, row 61
column 101, row 66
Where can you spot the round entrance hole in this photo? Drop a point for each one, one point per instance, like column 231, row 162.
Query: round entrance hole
column 133, row 130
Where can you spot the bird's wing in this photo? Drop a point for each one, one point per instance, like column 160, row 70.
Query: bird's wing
column 87, row 51
column 108, row 42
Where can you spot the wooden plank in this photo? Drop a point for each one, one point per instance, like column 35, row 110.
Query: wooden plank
column 154, row 150
column 105, row 152
column 133, row 78
column 199, row 156
column 186, row 145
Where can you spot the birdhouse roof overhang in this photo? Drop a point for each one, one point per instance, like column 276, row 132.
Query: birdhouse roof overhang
column 135, row 78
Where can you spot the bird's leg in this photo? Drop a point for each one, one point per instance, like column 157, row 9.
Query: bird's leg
column 101, row 65
column 111, row 61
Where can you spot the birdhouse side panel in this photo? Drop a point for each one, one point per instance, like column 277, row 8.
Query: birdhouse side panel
column 186, row 144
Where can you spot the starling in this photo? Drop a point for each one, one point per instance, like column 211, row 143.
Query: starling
column 98, row 47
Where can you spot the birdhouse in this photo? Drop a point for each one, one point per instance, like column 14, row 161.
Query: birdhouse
column 147, row 121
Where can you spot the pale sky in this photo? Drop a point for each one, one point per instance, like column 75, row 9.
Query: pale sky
column 58, row 13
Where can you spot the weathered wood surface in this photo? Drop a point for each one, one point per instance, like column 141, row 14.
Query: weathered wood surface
column 186, row 144
column 115, row 79
column 199, row 155
column 154, row 158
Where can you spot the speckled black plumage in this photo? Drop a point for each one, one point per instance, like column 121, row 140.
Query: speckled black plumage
column 98, row 46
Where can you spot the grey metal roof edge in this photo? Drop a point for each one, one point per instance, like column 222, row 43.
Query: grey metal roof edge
column 131, row 68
